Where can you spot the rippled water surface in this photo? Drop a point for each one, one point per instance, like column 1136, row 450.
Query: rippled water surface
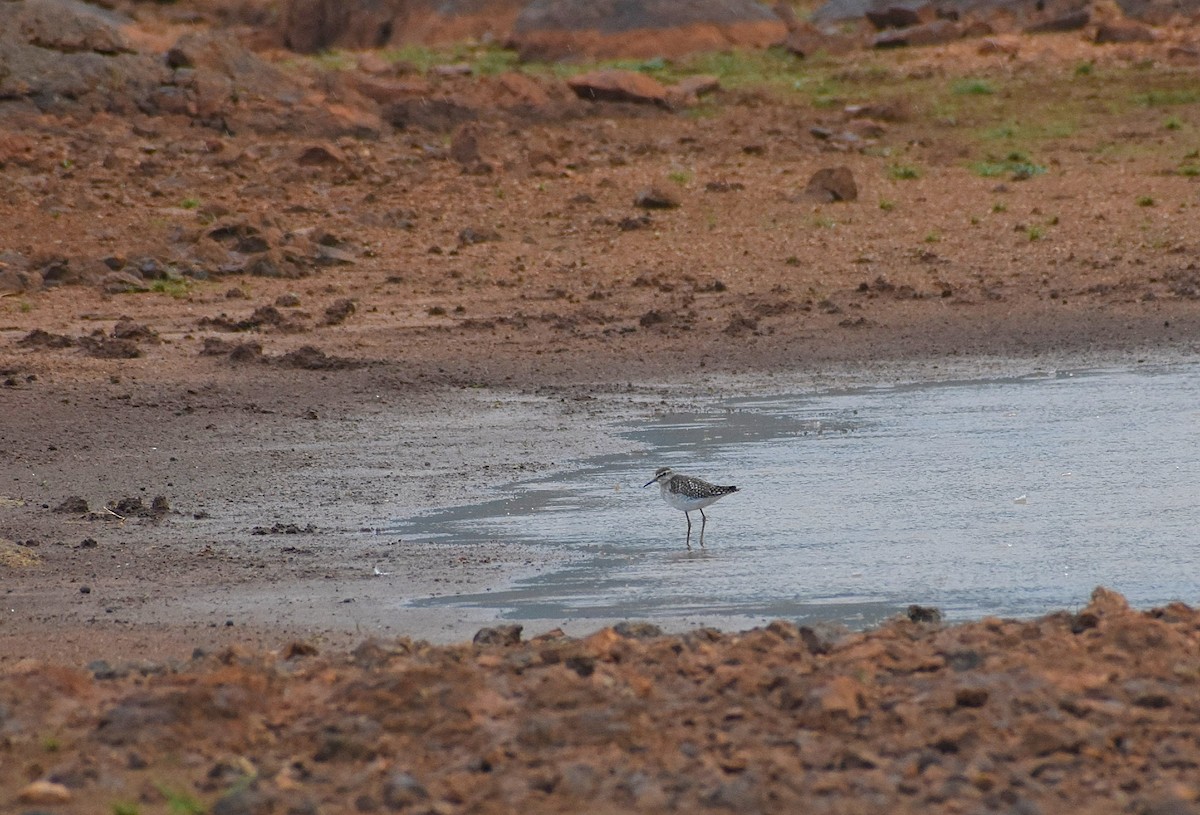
column 1011, row 497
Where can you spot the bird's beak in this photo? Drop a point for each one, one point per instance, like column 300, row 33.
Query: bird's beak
column 648, row 483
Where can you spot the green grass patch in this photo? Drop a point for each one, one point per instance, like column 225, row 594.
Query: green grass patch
column 1016, row 165
column 181, row 802
column 903, row 172
column 1145, row 201
column 1167, row 97
column 177, row 287
column 972, row 87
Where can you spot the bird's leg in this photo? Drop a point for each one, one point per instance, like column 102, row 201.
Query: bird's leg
column 703, row 523
column 689, row 534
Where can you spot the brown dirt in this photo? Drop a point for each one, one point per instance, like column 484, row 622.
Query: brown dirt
column 468, row 320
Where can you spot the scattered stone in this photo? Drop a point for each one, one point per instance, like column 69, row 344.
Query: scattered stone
column 435, row 114
column 283, row 529
column 464, row 149
column 127, row 329
column 44, row 793
column 122, row 283
column 37, row 338
column 298, row 649
column 311, row 358
column 473, row 235
column 103, row 347
column 401, row 791
column 832, row 184
column 244, row 800
column 900, row 13
column 805, row 40
column 690, row 89
column 499, row 635
column 724, row 186
column 263, row 316
column 338, row 312
column 1107, row 33
column 931, row 33
column 75, row 505
column 551, row 30
column 288, row 300
column 321, row 155
column 1069, row 21
column 637, row 631
column 616, row 85
column 923, row 614
column 655, row 198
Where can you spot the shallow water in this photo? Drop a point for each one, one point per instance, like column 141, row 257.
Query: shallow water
column 1010, row 497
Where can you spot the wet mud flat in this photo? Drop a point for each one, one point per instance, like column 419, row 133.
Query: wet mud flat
column 1089, row 711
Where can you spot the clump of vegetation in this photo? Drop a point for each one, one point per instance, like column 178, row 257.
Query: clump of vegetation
column 1017, row 165
column 972, row 87
column 1145, row 201
column 903, row 172
column 177, row 287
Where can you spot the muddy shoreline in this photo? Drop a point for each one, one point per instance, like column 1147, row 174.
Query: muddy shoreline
column 276, row 495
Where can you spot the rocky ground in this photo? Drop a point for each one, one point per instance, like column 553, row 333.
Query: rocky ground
column 251, row 302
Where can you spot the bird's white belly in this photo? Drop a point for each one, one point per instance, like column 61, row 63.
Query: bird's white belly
column 686, row 503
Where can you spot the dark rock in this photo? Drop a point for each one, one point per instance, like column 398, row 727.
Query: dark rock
column 310, row 358
column 932, row 33
column 244, row 801
column 821, row 638
column 464, row 149
column 320, row 155
column 75, row 505
column 688, row 90
column 434, row 114
column 402, row 790
column 655, row 198
column 37, row 338
column 923, row 614
column 1069, row 21
column 960, row 661
column 338, row 312
column 617, row 85
column 1159, row 12
column 499, row 635
column 102, row 347
column 127, row 329
column 805, row 40
column 1122, row 32
column 102, row 670
column 900, row 13
column 141, row 716
column 375, row 653
column 631, row 223
column 832, row 184
column 127, row 506
column 472, row 235
column 971, row 697
column 122, row 283
column 637, row 631
column 574, row 29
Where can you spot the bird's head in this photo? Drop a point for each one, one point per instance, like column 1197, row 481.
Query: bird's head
column 660, row 475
